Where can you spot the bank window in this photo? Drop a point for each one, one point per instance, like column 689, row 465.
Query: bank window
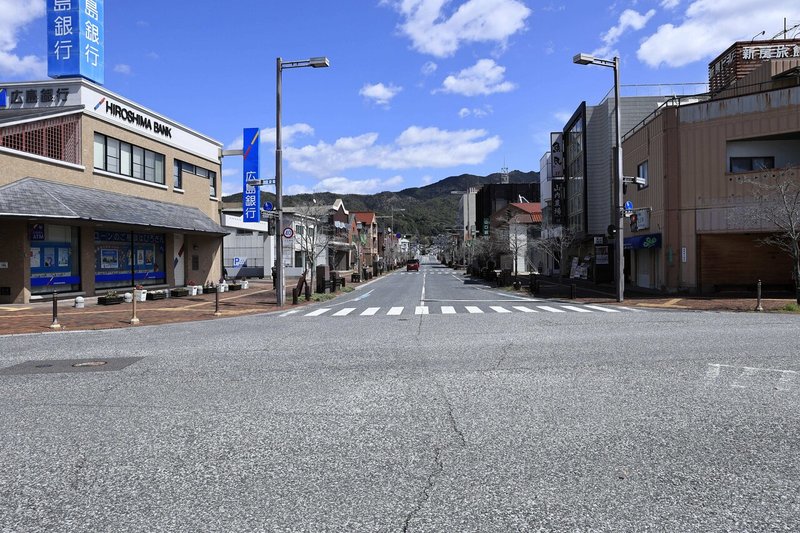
column 99, row 151
column 177, row 175
column 750, row 164
column 641, row 172
column 183, row 166
column 115, row 156
column 212, row 181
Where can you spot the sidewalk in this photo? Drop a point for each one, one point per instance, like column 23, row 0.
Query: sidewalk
column 260, row 298
column 38, row 317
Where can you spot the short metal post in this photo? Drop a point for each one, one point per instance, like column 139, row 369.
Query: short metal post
column 758, row 295
column 572, row 292
column 134, row 319
column 55, row 324
column 294, row 296
column 216, row 303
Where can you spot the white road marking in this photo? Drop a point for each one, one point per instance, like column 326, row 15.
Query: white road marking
column 287, row 313
column 394, row 311
column 448, row 310
column 524, row 309
column 605, row 309
column 575, row 308
column 317, row 312
column 344, row 312
column 550, row 309
column 473, row 310
column 370, row 311
column 422, row 296
column 499, row 309
column 421, row 310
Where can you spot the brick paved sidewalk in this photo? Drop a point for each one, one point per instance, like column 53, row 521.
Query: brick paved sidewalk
column 38, row 317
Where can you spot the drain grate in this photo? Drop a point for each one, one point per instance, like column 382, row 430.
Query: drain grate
column 58, row 366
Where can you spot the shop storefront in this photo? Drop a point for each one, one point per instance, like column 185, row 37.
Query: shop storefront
column 124, row 259
column 642, row 258
column 54, row 258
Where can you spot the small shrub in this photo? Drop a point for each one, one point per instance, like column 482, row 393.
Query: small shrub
column 791, row 308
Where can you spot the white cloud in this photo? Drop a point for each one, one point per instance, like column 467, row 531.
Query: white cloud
column 710, row 26
column 267, row 135
column 429, row 68
column 16, row 14
column 379, row 93
column 416, row 147
column 629, row 19
column 670, row 4
column 436, row 32
column 477, row 112
column 342, row 185
column 563, row 116
column 122, row 69
column 484, row 77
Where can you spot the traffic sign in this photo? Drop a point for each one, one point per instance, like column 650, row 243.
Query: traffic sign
column 628, row 206
column 288, row 233
column 268, row 206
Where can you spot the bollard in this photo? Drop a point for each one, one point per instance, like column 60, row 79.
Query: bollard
column 79, row 302
column 572, row 292
column 216, row 304
column 294, row 296
column 134, row 319
column 758, row 296
column 55, row 324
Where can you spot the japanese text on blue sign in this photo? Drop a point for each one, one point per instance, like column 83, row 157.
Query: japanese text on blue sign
column 251, row 206
column 75, row 39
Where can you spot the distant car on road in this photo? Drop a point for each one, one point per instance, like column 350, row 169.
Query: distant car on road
column 412, row 264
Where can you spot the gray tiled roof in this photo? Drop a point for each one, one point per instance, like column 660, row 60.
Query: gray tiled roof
column 33, row 197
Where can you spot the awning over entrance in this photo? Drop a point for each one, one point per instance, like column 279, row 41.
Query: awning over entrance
column 639, row 242
column 38, row 198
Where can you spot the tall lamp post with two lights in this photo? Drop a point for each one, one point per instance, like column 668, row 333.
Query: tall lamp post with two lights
column 314, row 62
column 619, row 262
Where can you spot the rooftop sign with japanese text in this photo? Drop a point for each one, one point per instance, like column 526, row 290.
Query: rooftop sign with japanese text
column 75, row 39
column 251, row 206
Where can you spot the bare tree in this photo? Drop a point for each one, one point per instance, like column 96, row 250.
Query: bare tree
column 315, row 236
column 777, row 204
column 555, row 245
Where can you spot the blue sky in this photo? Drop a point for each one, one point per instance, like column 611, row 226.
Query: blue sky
column 418, row 90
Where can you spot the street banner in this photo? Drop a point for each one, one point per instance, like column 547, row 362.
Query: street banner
column 556, row 156
column 251, row 194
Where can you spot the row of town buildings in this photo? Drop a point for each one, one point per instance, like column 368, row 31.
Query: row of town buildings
column 99, row 193
column 695, row 223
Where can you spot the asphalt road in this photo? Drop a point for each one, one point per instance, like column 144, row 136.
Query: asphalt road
column 492, row 421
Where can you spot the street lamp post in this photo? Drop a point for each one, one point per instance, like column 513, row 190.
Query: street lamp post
column 314, row 62
column 619, row 263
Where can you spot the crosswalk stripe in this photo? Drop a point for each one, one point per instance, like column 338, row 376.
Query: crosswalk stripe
column 344, row 312
column 551, row 309
column 574, row 308
column 524, row 309
column 473, row 310
column 603, row 309
column 421, row 310
column 448, row 310
column 499, row 309
column 317, row 312
column 370, row 311
column 395, row 311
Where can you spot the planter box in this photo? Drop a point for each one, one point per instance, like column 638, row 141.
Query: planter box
column 209, row 290
column 179, row 292
column 245, row 284
column 109, row 300
column 156, row 295
column 192, row 290
column 234, row 287
column 140, row 295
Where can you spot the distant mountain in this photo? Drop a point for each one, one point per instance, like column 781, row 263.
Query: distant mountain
column 425, row 211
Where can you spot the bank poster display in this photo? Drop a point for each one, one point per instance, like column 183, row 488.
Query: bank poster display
column 124, row 259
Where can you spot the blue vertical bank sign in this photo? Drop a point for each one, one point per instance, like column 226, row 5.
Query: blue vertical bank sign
column 75, row 39
column 251, row 210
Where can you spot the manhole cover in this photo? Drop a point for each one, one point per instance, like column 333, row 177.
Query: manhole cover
column 55, row 366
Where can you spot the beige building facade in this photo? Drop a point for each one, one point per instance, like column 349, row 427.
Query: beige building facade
column 695, row 227
column 98, row 193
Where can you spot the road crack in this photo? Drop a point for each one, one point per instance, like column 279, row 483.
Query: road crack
column 438, row 468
